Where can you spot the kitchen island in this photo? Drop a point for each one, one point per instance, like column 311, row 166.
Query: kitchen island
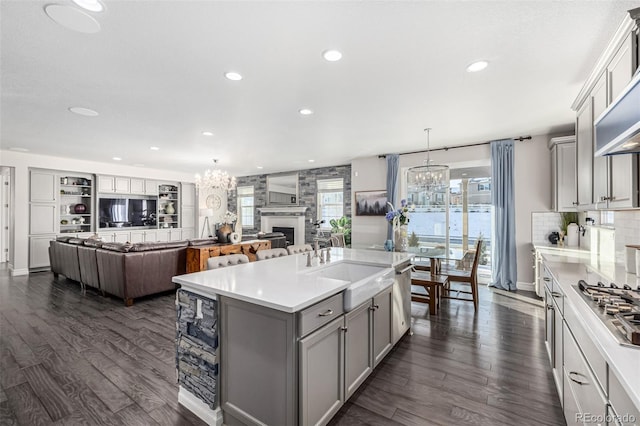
column 280, row 342
column 597, row 377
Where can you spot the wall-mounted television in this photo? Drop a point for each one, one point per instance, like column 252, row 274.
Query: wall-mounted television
column 127, row 212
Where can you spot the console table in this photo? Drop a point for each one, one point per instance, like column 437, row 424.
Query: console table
column 197, row 255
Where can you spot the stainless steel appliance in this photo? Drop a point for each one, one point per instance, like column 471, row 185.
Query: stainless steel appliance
column 618, row 308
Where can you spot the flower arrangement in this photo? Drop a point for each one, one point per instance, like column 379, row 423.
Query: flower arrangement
column 400, row 216
column 229, row 217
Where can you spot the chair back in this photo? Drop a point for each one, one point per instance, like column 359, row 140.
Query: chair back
column 228, row 260
column 476, row 260
column 271, row 253
column 300, row 248
column 337, row 240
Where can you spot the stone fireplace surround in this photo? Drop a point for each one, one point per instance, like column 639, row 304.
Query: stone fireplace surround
column 293, row 217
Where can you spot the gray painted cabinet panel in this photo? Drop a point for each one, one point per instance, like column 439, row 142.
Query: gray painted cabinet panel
column 358, row 354
column 322, row 374
column 382, row 323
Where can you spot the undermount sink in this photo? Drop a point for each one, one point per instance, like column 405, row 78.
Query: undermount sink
column 366, row 280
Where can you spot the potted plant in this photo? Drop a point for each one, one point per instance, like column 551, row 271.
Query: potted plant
column 342, row 226
column 565, row 219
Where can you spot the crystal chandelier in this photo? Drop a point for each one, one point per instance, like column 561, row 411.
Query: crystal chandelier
column 428, row 185
column 216, row 179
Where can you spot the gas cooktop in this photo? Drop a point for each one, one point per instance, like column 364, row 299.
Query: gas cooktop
column 618, row 308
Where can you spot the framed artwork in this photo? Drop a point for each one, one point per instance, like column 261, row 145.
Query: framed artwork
column 371, row 203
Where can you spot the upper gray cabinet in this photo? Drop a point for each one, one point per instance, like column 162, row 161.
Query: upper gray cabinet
column 606, row 182
column 563, row 173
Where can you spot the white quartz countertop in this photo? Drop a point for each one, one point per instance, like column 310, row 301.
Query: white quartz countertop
column 568, row 270
column 283, row 283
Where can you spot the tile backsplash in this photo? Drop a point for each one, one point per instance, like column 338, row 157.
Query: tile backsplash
column 542, row 224
column 622, row 228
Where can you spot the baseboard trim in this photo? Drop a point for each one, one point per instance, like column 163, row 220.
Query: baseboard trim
column 199, row 408
column 520, row 285
column 18, row 272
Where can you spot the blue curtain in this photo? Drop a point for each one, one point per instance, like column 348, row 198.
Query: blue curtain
column 392, row 185
column 504, row 274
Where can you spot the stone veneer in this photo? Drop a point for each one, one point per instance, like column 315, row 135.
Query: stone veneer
column 307, row 183
column 196, row 346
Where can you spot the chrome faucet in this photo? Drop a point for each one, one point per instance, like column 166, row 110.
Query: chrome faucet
column 308, row 258
column 315, row 249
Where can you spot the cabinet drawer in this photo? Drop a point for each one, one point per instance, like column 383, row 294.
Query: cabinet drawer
column 626, row 412
column 319, row 314
column 581, row 382
column 595, row 360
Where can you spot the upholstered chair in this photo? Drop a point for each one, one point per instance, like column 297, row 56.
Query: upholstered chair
column 228, row 260
column 300, row 248
column 271, row 253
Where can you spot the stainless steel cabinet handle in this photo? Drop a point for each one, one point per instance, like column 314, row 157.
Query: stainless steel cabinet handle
column 326, row 313
column 550, row 307
column 580, row 382
column 547, row 279
column 408, row 268
column 556, row 294
column 343, row 329
column 374, row 307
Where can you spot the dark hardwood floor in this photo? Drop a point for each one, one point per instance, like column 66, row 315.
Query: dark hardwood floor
column 73, row 359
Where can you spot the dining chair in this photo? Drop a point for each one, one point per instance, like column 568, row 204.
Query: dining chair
column 337, row 240
column 300, row 248
column 432, row 286
column 228, row 260
column 271, row 253
column 465, row 276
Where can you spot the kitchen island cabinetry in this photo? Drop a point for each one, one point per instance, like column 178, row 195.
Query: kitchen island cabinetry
column 296, row 363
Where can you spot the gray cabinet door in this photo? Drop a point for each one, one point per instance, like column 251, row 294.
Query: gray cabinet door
column 548, row 324
column 357, row 355
column 382, row 324
column 584, row 153
column 321, row 392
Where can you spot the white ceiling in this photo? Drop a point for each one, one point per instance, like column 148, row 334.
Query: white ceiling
column 155, row 73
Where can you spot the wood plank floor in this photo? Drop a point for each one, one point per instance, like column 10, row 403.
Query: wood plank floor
column 73, row 359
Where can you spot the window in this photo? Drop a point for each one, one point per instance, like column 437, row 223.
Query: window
column 330, row 200
column 246, row 204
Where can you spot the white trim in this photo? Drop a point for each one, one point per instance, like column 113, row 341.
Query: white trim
column 300, row 210
column 612, row 48
column 18, row 272
column 525, row 286
column 296, row 222
column 199, row 408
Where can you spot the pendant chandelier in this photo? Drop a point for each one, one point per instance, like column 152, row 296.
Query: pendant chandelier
column 216, row 179
column 428, row 185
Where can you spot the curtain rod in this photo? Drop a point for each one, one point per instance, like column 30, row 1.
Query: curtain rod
column 447, row 148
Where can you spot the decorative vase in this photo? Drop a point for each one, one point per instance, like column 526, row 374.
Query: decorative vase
column 401, row 237
column 79, row 208
column 169, row 209
column 223, row 233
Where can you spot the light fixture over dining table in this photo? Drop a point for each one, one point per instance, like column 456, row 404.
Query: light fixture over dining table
column 425, row 182
column 216, row 179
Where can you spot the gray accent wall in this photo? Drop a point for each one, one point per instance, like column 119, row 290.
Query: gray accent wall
column 307, row 194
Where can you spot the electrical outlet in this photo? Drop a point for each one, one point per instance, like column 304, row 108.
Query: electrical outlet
column 198, row 309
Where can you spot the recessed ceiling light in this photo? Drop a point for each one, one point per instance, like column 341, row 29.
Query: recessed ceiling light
column 464, row 174
column 138, row 165
column 18, row 149
column 260, row 167
column 233, row 76
column 90, row 5
column 83, row 111
column 332, row 55
column 117, row 159
column 154, row 148
column 311, row 161
column 305, row 111
column 72, row 18
column 207, row 133
column 477, row 66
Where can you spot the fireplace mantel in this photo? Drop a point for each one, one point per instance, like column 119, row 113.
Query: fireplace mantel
column 282, row 209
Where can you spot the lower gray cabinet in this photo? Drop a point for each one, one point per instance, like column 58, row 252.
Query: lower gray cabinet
column 381, row 325
column 582, row 393
column 358, row 354
column 321, row 376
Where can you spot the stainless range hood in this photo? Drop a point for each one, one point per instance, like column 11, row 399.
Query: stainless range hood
column 618, row 127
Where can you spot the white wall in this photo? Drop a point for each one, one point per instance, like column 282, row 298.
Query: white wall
column 532, row 166
column 21, row 162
